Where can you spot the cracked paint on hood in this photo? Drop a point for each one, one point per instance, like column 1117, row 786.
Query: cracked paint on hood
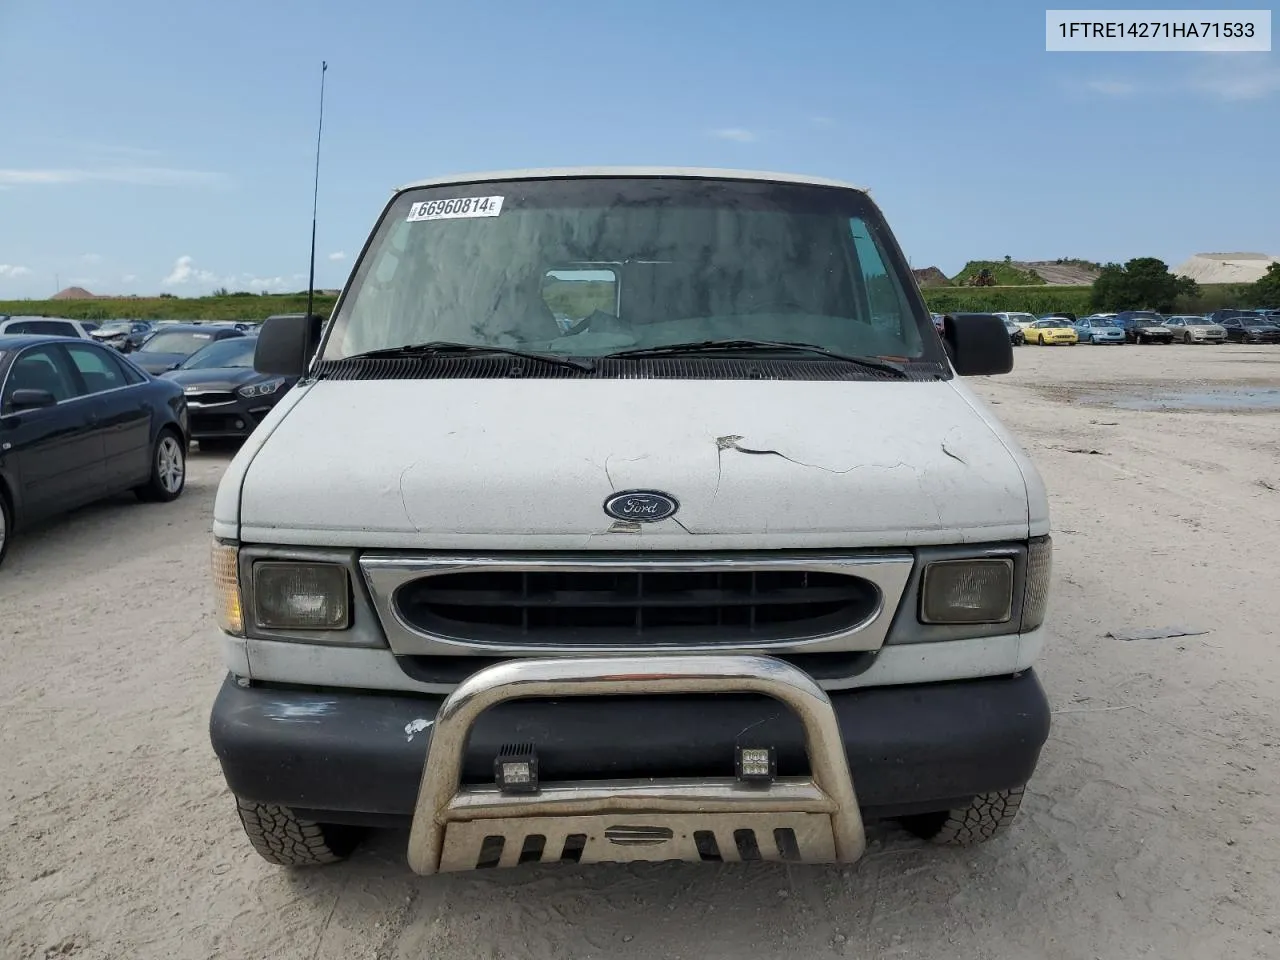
column 527, row 464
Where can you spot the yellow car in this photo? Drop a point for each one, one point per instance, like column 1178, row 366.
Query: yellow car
column 1051, row 333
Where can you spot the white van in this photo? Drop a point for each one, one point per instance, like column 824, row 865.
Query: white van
column 719, row 569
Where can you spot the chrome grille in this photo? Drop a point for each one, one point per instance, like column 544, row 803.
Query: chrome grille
column 656, row 607
column 435, row 605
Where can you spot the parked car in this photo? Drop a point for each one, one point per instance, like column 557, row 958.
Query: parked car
column 1221, row 316
column 394, row 562
column 1099, row 329
column 1144, row 326
column 170, row 345
column 1249, row 328
column 124, row 335
column 44, row 326
column 1016, row 336
column 1023, row 320
column 1052, row 332
column 80, row 423
column 1190, row 328
column 226, row 397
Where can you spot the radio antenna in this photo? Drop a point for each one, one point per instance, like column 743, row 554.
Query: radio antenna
column 315, row 196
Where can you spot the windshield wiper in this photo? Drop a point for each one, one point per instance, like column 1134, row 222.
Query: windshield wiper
column 747, row 346
column 433, row 348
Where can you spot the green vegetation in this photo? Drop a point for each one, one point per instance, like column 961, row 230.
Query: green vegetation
column 1266, row 291
column 1005, row 274
column 577, row 298
column 233, row 306
column 1077, row 300
column 1143, row 283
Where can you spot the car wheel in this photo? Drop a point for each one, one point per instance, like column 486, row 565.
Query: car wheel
column 6, row 523
column 986, row 816
column 1186, row 338
column 282, row 838
column 168, row 469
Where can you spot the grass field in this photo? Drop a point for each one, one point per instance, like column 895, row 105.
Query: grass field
column 578, row 299
column 250, row 307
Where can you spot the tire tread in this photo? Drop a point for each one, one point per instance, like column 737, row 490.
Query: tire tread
column 281, row 838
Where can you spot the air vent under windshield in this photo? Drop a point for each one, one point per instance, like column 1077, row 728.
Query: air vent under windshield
column 664, row 368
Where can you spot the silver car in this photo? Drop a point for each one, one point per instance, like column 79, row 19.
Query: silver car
column 1193, row 329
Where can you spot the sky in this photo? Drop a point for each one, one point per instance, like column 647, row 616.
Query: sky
column 149, row 146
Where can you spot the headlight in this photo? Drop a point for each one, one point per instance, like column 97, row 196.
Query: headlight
column 266, row 388
column 967, row 591
column 226, row 588
column 300, row 596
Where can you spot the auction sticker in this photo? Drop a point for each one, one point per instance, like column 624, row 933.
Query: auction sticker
column 456, row 209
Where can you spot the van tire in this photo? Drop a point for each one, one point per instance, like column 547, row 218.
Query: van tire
column 282, row 838
column 6, row 522
column 986, row 816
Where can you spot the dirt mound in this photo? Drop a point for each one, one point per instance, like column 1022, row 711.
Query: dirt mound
column 931, row 277
column 1226, row 267
column 74, row 293
column 1071, row 273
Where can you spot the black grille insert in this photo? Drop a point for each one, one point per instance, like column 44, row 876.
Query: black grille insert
column 603, row 608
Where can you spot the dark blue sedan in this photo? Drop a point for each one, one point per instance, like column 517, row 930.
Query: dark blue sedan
column 79, row 423
column 172, row 343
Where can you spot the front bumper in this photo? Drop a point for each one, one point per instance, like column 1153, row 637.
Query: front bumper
column 228, row 421
column 346, row 756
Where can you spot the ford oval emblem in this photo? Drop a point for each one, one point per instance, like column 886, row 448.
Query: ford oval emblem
column 641, row 506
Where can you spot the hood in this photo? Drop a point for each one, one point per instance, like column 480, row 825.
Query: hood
column 217, row 378
column 528, row 464
column 157, row 363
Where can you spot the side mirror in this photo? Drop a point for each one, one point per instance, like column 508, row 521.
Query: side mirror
column 978, row 344
column 286, row 344
column 30, row 400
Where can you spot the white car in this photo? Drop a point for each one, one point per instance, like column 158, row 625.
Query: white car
column 461, row 568
column 1023, row 320
column 44, row 326
column 1190, row 328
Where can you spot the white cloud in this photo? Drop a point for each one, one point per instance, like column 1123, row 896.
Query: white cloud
column 185, row 271
column 1236, row 76
column 12, row 270
column 92, row 258
column 338, row 255
column 143, row 176
column 1111, row 88
column 129, row 278
column 736, row 134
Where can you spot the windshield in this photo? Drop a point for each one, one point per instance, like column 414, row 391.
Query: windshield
column 590, row 266
column 176, row 341
column 232, row 352
column 1146, row 316
column 1054, row 323
column 114, row 326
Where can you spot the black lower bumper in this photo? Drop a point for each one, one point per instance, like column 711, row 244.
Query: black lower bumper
column 228, row 421
column 341, row 756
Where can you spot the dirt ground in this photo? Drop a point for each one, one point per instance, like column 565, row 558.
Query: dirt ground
column 1151, row 829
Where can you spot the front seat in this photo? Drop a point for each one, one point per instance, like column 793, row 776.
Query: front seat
column 521, row 312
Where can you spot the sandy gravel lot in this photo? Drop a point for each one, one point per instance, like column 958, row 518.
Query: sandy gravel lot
column 1152, row 828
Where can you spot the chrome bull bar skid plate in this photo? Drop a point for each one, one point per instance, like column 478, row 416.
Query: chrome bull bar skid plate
column 811, row 819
